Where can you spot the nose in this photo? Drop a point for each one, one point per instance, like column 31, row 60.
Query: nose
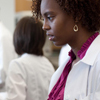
column 46, row 27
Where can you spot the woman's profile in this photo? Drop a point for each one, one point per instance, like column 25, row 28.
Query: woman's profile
column 76, row 23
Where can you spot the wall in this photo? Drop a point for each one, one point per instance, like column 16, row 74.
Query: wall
column 23, row 5
column 7, row 13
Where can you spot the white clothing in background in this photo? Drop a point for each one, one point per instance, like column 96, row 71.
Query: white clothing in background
column 29, row 77
column 3, row 95
column 7, row 52
column 64, row 54
column 83, row 81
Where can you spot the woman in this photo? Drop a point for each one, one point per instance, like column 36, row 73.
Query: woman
column 76, row 23
column 29, row 75
column 7, row 53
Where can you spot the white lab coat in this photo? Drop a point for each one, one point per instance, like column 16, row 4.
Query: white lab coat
column 7, row 52
column 28, row 78
column 83, row 82
column 64, row 54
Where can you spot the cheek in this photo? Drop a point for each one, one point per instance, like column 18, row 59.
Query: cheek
column 63, row 32
column 57, row 27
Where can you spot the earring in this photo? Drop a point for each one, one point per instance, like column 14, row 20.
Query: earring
column 75, row 28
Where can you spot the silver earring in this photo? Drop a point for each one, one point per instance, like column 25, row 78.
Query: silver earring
column 75, row 28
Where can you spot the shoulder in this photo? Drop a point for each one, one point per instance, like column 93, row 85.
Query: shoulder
column 17, row 64
column 43, row 63
column 16, row 68
column 28, row 61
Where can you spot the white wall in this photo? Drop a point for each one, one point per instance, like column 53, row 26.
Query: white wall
column 7, row 13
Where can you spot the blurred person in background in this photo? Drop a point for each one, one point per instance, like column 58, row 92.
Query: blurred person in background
column 29, row 76
column 7, row 53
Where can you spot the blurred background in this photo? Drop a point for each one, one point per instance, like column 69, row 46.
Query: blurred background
column 11, row 11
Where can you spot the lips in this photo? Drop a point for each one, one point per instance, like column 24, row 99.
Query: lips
column 51, row 37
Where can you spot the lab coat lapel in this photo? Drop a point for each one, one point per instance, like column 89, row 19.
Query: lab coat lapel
column 57, row 74
column 92, row 52
column 77, row 82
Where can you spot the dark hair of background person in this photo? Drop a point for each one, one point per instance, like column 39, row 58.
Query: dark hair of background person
column 88, row 10
column 29, row 36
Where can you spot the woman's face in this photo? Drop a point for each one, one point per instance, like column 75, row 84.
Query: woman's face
column 58, row 24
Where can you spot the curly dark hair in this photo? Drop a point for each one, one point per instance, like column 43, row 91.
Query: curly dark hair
column 89, row 10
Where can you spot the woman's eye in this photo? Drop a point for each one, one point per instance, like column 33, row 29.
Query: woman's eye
column 50, row 18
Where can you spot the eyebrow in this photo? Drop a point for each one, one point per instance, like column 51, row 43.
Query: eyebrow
column 48, row 13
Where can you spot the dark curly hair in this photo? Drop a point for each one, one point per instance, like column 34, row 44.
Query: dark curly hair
column 89, row 10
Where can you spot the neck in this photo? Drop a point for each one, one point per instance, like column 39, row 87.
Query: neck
column 79, row 40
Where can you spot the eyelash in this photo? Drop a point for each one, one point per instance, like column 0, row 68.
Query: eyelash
column 50, row 18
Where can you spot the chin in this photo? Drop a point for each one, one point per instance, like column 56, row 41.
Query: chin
column 57, row 44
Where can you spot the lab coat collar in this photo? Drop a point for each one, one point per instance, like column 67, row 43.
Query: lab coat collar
column 92, row 52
